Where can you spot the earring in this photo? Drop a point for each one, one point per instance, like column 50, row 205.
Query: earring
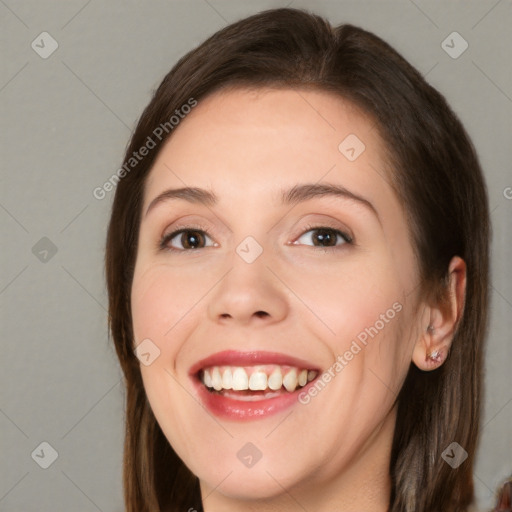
column 435, row 356
column 430, row 328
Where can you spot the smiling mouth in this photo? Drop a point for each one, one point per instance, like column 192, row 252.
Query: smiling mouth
column 253, row 383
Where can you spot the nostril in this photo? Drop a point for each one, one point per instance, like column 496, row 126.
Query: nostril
column 261, row 313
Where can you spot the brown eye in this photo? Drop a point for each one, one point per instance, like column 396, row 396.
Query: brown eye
column 326, row 237
column 189, row 239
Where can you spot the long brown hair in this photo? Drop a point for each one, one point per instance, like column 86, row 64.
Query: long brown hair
column 434, row 171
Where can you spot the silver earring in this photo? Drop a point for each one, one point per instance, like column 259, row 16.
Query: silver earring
column 430, row 328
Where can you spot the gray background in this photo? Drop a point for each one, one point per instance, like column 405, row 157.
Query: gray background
column 65, row 122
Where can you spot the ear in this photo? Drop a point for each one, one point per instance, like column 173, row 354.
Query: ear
column 441, row 320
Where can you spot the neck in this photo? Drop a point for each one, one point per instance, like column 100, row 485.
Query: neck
column 364, row 485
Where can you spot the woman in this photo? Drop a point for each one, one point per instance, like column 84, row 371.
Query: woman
column 297, row 265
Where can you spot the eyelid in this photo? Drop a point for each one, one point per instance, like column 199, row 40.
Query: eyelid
column 192, row 226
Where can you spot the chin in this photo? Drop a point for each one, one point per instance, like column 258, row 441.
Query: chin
column 248, row 484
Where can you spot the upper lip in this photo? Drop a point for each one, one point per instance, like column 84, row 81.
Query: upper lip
column 250, row 358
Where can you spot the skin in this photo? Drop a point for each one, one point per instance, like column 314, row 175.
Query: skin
column 247, row 145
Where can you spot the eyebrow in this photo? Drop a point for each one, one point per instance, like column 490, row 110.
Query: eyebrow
column 296, row 194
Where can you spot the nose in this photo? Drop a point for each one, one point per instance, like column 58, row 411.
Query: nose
column 249, row 293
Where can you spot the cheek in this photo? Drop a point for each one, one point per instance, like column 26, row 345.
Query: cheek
column 364, row 318
column 351, row 299
column 162, row 300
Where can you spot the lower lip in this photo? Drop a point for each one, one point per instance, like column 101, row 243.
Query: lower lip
column 230, row 408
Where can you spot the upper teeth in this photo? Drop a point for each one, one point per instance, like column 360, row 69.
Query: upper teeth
column 256, row 378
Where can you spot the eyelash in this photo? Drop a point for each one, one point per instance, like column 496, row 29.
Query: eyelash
column 162, row 245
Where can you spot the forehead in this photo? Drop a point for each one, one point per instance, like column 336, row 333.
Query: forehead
column 256, row 138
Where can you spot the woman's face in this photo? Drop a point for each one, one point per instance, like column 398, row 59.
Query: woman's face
column 273, row 282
